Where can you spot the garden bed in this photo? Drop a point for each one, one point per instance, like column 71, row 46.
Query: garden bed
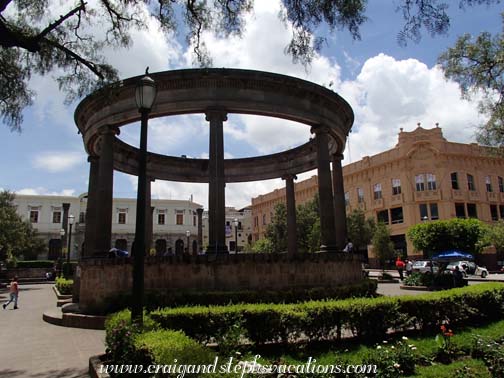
column 307, row 326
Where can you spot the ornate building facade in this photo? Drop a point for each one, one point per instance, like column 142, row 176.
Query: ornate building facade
column 423, row 178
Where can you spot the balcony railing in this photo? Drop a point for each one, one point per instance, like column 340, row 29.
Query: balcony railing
column 428, row 195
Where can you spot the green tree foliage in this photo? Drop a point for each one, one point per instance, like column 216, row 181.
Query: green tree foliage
column 308, row 226
column 359, row 229
column 276, row 232
column 382, row 245
column 263, row 245
column 494, row 235
column 17, row 237
column 460, row 234
column 477, row 64
column 50, row 36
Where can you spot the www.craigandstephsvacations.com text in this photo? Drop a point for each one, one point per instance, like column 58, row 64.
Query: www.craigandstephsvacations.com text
column 235, row 366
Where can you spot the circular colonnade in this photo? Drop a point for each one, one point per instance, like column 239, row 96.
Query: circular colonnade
column 217, row 93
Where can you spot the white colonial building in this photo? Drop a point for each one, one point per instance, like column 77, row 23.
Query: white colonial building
column 238, row 229
column 174, row 223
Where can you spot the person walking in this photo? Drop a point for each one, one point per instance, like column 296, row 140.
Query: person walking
column 400, row 267
column 409, row 267
column 14, row 293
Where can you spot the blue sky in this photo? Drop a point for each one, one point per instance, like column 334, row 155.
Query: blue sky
column 388, row 86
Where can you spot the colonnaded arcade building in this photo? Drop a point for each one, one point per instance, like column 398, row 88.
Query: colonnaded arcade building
column 423, row 178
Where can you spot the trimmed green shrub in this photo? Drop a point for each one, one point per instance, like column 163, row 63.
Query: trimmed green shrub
column 34, row 264
column 163, row 347
column 120, row 336
column 64, row 286
column 156, row 299
column 368, row 318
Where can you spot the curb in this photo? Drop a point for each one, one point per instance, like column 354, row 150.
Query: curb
column 94, row 367
column 418, row 288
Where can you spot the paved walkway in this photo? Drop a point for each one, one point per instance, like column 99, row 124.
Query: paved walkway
column 32, row 348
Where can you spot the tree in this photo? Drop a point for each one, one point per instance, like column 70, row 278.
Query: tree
column 460, row 234
column 494, row 235
column 308, row 226
column 382, row 245
column 359, row 229
column 17, row 237
column 276, row 232
column 262, row 246
column 477, row 64
column 34, row 41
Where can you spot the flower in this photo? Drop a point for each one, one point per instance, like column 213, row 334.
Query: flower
column 378, row 347
column 397, row 366
column 385, row 341
column 443, row 328
column 413, row 348
column 404, row 338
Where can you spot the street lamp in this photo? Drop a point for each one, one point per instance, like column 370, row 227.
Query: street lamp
column 188, row 233
column 235, row 223
column 60, row 258
column 424, row 218
column 71, row 219
column 145, row 94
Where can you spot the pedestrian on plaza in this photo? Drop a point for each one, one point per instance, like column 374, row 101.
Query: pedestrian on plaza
column 409, row 267
column 457, row 277
column 400, row 267
column 14, row 293
column 348, row 247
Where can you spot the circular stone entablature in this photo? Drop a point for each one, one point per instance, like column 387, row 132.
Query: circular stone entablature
column 237, row 91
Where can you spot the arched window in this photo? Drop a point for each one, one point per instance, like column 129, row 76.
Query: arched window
column 160, row 247
column 179, row 247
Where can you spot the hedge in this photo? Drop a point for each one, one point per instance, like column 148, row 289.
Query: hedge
column 22, row 264
column 371, row 318
column 64, row 286
column 155, row 299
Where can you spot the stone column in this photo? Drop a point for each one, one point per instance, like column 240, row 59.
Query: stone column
column 200, row 228
column 291, row 214
column 217, row 183
column 91, row 208
column 326, row 205
column 339, row 202
column 105, row 192
column 148, row 217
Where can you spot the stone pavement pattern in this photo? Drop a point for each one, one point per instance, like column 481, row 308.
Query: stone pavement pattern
column 31, row 347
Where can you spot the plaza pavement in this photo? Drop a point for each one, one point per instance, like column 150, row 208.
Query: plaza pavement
column 32, row 348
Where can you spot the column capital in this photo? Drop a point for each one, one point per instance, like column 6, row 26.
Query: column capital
column 216, row 114
column 199, row 210
column 107, row 129
column 320, row 129
column 289, row 176
column 93, row 158
column 337, row 156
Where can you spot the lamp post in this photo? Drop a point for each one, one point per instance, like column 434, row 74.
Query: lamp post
column 71, row 219
column 60, row 258
column 235, row 223
column 188, row 233
column 145, row 94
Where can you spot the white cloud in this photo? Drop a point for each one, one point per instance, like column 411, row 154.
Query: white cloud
column 55, row 162
column 41, row 191
column 390, row 94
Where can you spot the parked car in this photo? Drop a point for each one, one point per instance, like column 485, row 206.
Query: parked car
column 425, row 266
column 468, row 268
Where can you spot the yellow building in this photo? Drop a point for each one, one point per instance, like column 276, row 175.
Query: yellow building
column 423, row 178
